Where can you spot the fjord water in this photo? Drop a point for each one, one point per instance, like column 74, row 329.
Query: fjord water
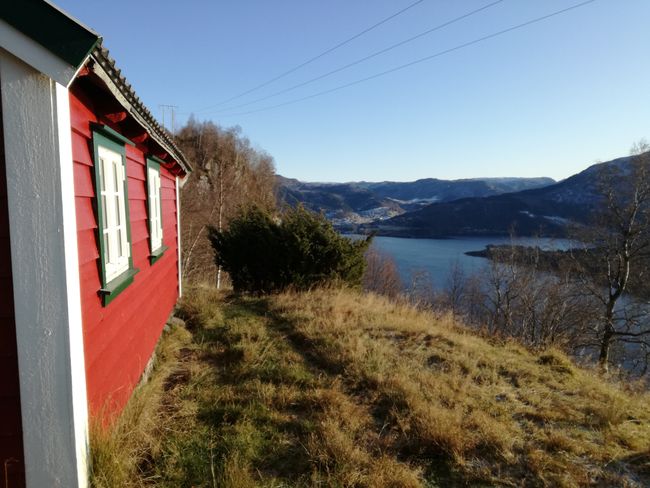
column 437, row 257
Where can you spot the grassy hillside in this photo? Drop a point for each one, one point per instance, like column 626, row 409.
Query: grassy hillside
column 335, row 388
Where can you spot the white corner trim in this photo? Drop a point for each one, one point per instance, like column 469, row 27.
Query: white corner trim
column 178, row 237
column 32, row 53
column 44, row 259
column 72, row 281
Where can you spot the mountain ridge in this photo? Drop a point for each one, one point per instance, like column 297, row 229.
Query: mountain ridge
column 544, row 211
column 434, row 208
column 353, row 203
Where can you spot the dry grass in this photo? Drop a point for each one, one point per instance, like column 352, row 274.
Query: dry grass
column 336, row 388
column 495, row 412
column 120, row 451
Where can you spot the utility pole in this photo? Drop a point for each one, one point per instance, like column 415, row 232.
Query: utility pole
column 172, row 109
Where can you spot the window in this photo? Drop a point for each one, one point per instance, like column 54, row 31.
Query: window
column 114, row 233
column 113, row 202
column 156, row 246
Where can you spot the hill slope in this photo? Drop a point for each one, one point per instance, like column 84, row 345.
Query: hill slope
column 335, row 388
column 542, row 211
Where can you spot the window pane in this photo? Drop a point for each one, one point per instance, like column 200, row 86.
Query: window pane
column 123, row 235
column 103, row 223
column 107, row 170
column 102, row 166
column 105, row 237
column 116, row 175
column 117, row 203
column 109, row 209
column 119, row 242
column 152, row 207
column 112, row 245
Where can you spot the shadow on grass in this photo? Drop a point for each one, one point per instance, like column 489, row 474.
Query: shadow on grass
column 269, row 438
column 438, row 471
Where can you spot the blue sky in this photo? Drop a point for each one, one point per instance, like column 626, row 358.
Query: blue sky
column 546, row 100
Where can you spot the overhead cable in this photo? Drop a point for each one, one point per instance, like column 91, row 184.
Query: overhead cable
column 418, row 61
column 318, row 56
column 365, row 58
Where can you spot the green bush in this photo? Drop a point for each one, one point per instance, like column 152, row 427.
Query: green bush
column 263, row 254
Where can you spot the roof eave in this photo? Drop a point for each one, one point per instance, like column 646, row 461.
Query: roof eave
column 104, row 67
column 52, row 28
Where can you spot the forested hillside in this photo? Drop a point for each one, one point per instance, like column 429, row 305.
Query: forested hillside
column 228, row 173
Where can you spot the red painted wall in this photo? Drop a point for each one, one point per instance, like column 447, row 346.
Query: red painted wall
column 120, row 338
column 11, row 438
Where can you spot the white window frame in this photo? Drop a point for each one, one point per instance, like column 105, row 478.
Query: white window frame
column 117, row 248
column 155, row 208
column 112, row 201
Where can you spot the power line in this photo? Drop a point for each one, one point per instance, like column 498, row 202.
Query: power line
column 418, row 61
column 318, row 56
column 172, row 109
column 365, row 58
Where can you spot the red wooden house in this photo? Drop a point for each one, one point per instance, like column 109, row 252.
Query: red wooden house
column 89, row 241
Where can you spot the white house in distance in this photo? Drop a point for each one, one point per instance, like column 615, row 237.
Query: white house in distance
column 89, row 241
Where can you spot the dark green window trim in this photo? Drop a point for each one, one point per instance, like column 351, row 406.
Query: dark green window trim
column 157, row 254
column 106, row 137
column 117, row 285
column 154, row 163
column 157, row 160
column 111, row 134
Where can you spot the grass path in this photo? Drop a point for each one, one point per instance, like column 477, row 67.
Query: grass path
column 267, row 415
column 336, row 389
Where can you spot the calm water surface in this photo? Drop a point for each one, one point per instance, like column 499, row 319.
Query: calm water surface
column 437, row 256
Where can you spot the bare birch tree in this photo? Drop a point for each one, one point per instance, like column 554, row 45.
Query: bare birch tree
column 613, row 264
column 229, row 173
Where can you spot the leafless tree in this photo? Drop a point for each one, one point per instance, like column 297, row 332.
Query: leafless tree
column 613, row 264
column 514, row 296
column 502, row 286
column 420, row 290
column 453, row 295
column 381, row 275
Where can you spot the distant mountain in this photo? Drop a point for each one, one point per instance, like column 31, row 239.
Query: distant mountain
column 544, row 211
column 330, row 197
column 349, row 204
column 448, row 190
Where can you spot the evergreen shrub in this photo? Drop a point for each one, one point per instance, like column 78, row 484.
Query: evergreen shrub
column 300, row 249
